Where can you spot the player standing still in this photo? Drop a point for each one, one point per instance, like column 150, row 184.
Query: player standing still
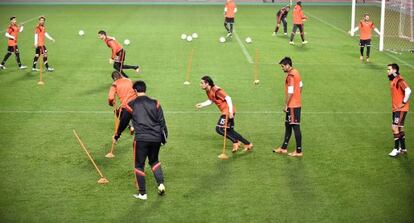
column 12, row 34
column 365, row 26
column 293, row 104
column 298, row 18
column 400, row 94
column 39, row 43
column 281, row 17
column 230, row 10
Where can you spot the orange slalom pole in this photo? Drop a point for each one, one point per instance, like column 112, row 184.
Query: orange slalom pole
column 41, row 82
column 189, row 67
column 102, row 180
column 116, row 125
column 223, row 155
column 256, row 67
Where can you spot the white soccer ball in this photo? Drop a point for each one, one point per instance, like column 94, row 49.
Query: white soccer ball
column 189, row 38
column 248, row 40
column 127, row 42
column 81, row 32
column 222, row 39
column 183, row 36
column 195, row 35
column 256, row 82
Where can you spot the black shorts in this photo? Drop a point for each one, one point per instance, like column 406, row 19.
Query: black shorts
column 120, row 56
column 364, row 42
column 41, row 49
column 229, row 20
column 13, row 49
column 298, row 26
column 398, row 118
column 293, row 116
column 222, row 121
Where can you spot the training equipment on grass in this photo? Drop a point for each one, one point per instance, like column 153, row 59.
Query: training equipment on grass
column 222, row 39
column 189, row 38
column 183, row 36
column 81, row 33
column 194, row 35
column 248, row 40
column 223, row 155
column 189, row 67
column 102, row 180
column 127, row 42
column 256, row 67
column 111, row 154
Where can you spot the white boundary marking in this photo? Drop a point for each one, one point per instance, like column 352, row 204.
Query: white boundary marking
column 245, row 52
column 186, row 112
column 341, row 30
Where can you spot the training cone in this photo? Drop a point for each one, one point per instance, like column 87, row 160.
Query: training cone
column 223, row 156
column 41, row 83
column 110, row 155
column 103, row 180
column 186, row 82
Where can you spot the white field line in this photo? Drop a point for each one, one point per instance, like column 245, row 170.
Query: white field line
column 245, row 52
column 185, row 112
column 342, row 31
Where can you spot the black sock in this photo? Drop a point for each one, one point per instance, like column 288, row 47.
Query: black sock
column 227, row 28
column 35, row 59
column 231, row 27
column 368, row 51
column 288, row 134
column 298, row 137
column 238, row 136
column 302, row 35
column 6, row 57
column 396, row 141
column 277, row 29
column 362, row 51
column 157, row 170
column 140, row 179
column 292, row 36
column 18, row 59
column 45, row 62
column 402, row 139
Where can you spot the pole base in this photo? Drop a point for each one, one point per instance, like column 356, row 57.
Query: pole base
column 103, row 180
column 41, row 83
column 110, row 155
column 223, row 156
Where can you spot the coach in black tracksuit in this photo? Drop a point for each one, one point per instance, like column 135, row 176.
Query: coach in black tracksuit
column 150, row 131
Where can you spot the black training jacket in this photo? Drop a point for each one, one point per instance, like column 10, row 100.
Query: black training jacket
column 147, row 118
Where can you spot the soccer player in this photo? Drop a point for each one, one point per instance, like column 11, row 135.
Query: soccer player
column 293, row 103
column 118, row 54
column 400, row 93
column 12, row 34
column 230, row 10
column 281, row 17
column 39, row 43
column 223, row 101
column 150, row 132
column 365, row 26
column 122, row 87
column 298, row 18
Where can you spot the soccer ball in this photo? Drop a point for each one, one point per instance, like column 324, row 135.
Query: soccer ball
column 183, row 36
column 189, row 38
column 248, row 40
column 195, row 35
column 127, row 42
column 81, row 32
column 222, row 39
column 256, row 82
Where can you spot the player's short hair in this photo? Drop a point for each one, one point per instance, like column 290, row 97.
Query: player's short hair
column 13, row 17
column 42, row 17
column 101, row 32
column 140, row 86
column 285, row 61
column 207, row 79
column 116, row 75
column 395, row 67
column 299, row 3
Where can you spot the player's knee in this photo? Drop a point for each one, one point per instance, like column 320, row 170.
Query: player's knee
column 395, row 129
column 220, row 130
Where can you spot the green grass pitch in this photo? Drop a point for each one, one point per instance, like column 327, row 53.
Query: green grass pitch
column 344, row 176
